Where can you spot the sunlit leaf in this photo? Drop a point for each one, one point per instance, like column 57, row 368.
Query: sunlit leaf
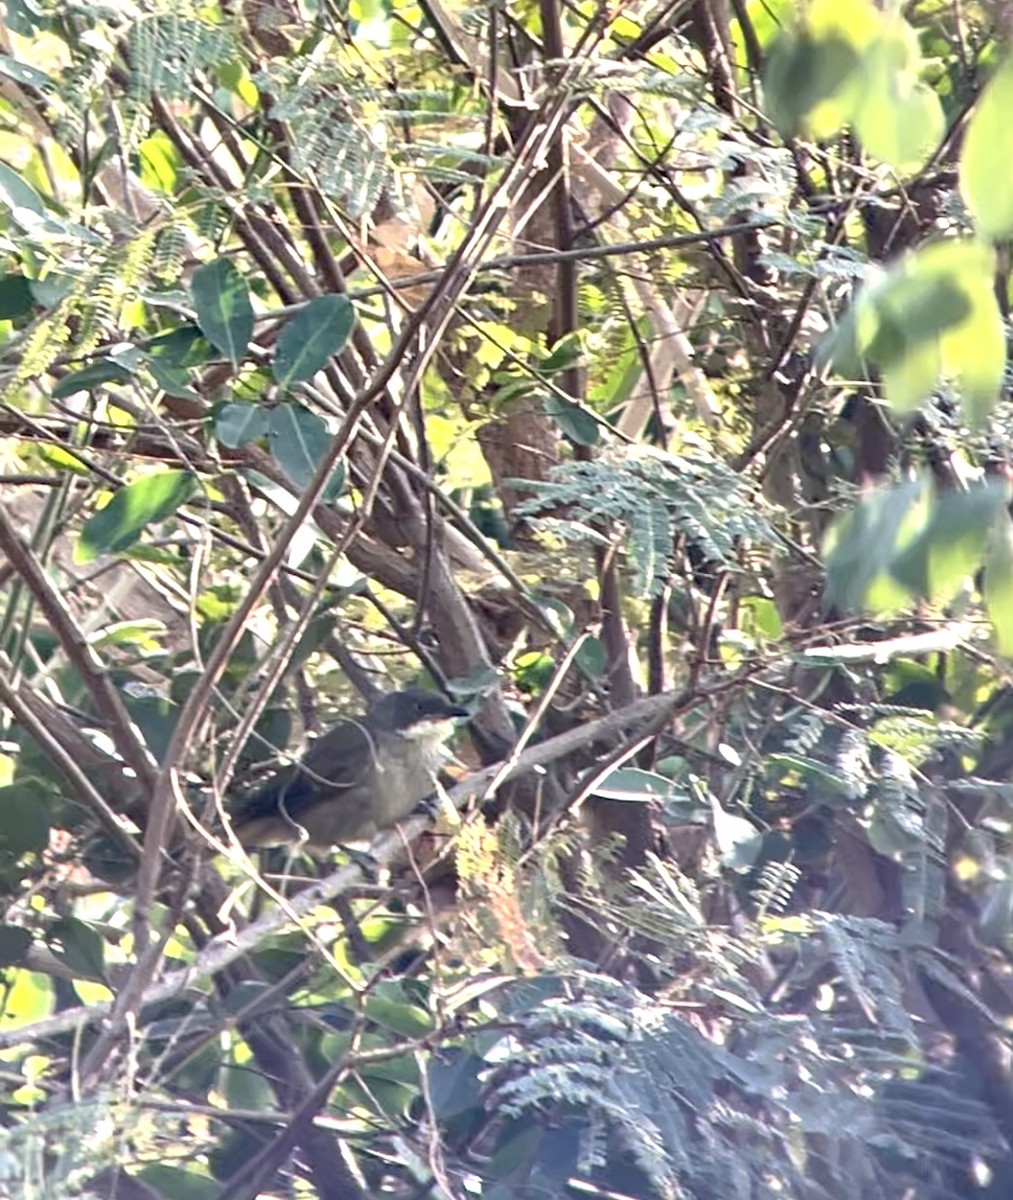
column 131, row 510
column 951, row 545
column 813, row 81
column 860, row 545
column 933, row 316
column 16, row 193
column 630, row 783
column 986, row 175
column 739, row 841
column 898, row 118
column 30, row 998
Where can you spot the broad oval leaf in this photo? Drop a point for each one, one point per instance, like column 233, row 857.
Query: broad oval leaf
column 576, row 422
column 15, row 192
column 633, row 784
column 14, row 945
column 805, row 72
column 131, row 510
column 299, row 439
column 26, row 807
column 175, row 1183
column 934, row 315
column 78, row 946
column 898, row 118
column 313, row 336
column 104, row 370
column 223, row 306
column 861, row 544
column 951, row 545
column 16, row 299
column 237, row 424
column 985, row 180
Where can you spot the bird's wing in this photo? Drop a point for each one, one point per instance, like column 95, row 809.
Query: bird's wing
column 336, row 761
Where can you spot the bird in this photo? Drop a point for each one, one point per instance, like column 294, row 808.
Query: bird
column 363, row 775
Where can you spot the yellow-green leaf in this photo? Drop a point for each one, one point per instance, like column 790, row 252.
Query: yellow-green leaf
column 986, row 162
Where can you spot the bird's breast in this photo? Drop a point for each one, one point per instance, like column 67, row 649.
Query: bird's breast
column 406, row 775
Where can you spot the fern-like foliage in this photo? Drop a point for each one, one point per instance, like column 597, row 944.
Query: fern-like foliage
column 169, row 49
column 648, row 498
column 627, row 1093
column 90, row 307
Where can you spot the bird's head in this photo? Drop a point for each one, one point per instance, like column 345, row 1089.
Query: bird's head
column 415, row 713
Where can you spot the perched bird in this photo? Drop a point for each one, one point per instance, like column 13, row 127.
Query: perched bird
column 363, row 775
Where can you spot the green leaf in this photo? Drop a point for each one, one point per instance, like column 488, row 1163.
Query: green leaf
column 804, row 72
column 131, row 510
column 934, row 316
column 630, row 783
column 592, row 657
column 454, row 1082
column 78, row 945
column 237, row 424
column 813, row 772
column 184, row 346
column 951, row 544
column 177, row 1184
column 16, row 299
column 224, row 309
column 173, row 381
column 564, row 354
column 26, row 811
column 998, row 582
column 144, row 635
column 814, row 79
column 14, row 945
column 388, row 1005
column 898, row 118
column 313, row 336
column 22, row 73
column 860, row 545
column 575, row 421
column 986, row 182
column 155, row 717
column 16, row 193
column 299, row 439
column 105, row 370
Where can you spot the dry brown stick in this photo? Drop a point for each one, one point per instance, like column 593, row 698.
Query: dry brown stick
column 75, row 645
column 68, row 767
